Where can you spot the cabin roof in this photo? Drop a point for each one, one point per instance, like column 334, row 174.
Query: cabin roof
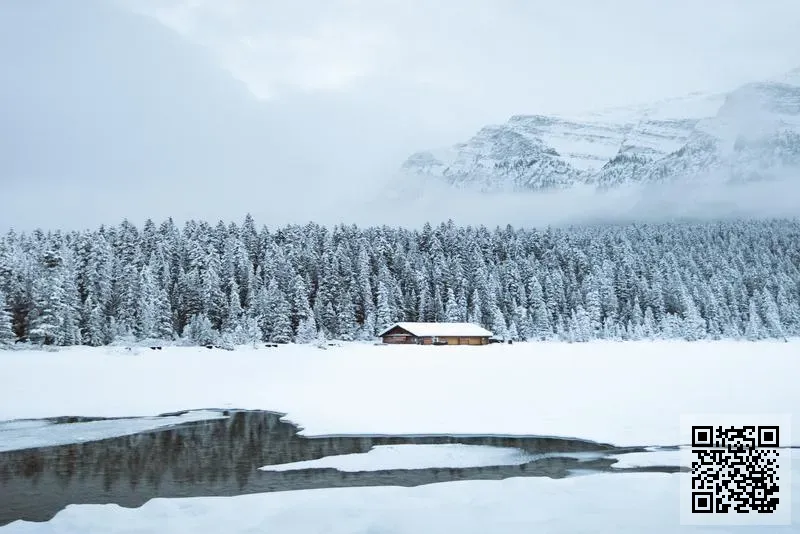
column 441, row 329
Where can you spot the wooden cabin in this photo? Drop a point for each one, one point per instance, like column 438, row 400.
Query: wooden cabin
column 435, row 334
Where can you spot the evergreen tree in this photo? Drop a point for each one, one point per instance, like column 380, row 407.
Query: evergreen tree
column 499, row 328
column 452, row 311
column 345, row 315
column 755, row 327
column 475, row 313
column 7, row 335
column 301, row 309
column 648, row 324
column 164, row 328
column 96, row 332
column 200, row 331
column 147, row 325
column 384, row 315
column 658, row 281
column 322, row 341
column 48, row 302
column 772, row 317
column 234, row 313
column 307, row 330
column 277, row 315
column 249, row 332
column 694, row 327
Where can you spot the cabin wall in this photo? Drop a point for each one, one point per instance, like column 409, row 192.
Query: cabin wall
column 397, row 340
column 398, row 336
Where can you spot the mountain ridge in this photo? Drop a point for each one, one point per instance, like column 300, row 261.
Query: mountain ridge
column 750, row 133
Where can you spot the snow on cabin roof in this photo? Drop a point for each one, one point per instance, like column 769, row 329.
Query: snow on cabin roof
column 442, row 329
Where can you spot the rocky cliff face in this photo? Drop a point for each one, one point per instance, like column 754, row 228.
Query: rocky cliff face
column 750, row 133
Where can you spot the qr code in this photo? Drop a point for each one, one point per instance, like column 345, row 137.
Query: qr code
column 739, row 469
column 735, row 469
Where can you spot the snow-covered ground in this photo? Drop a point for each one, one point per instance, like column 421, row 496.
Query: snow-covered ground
column 651, row 458
column 27, row 434
column 597, row 503
column 623, row 393
column 413, row 457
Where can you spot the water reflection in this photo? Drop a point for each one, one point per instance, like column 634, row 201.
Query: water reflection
column 222, row 456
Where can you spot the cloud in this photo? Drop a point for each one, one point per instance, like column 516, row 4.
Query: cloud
column 532, row 56
column 298, row 110
column 700, row 198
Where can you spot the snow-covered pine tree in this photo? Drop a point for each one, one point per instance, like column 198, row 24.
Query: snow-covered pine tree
column 277, row 314
column 96, row 330
column 234, row 312
column 452, row 311
column 772, row 317
column 755, row 326
column 346, row 319
column 384, row 314
column 250, row 332
column 689, row 276
column 48, row 300
column 200, row 331
column 693, row 325
column 307, row 330
column 164, row 324
column 7, row 335
column 475, row 313
column 146, row 326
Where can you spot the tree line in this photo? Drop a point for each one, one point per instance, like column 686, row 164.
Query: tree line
column 237, row 283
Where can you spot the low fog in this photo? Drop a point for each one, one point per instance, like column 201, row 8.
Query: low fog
column 118, row 109
column 695, row 198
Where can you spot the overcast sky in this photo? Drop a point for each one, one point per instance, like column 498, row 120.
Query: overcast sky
column 336, row 92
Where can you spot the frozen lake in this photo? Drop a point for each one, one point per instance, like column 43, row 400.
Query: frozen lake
column 254, row 452
column 435, row 438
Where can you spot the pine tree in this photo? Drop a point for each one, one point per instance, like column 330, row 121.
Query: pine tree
column 164, row 328
column 322, row 341
column 648, row 324
column 384, row 315
column 581, row 325
column 755, row 327
column 7, row 335
column 146, row 327
column 96, row 331
column 48, row 302
column 452, row 312
column 200, row 331
column 772, row 317
column 367, row 332
column 70, row 316
column 475, row 313
column 594, row 309
column 277, row 315
column 234, row 312
column 499, row 328
column 693, row 327
column 249, row 332
column 667, row 281
column 307, row 330
column 345, row 315
column 301, row 309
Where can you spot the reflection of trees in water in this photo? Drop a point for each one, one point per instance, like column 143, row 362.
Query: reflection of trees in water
column 197, row 453
column 208, row 452
column 217, row 457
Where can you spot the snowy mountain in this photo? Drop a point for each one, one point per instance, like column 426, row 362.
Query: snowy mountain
column 750, row 133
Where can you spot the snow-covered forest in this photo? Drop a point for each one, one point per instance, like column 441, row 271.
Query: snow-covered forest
column 237, row 283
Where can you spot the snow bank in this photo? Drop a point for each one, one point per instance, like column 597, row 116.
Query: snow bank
column 28, row 434
column 624, row 393
column 413, row 457
column 652, row 458
column 618, row 503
